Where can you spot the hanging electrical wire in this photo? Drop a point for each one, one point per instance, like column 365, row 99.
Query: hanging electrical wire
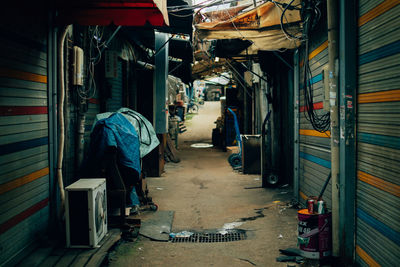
column 200, row 6
column 96, row 44
column 284, row 7
column 320, row 122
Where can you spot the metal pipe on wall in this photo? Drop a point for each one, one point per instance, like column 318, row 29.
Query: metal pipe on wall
column 333, row 93
column 68, row 150
column 61, row 122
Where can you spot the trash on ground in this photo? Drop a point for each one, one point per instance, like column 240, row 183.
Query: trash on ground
column 183, row 234
column 223, row 232
column 280, row 236
column 256, row 179
column 284, row 206
column 232, row 225
column 160, row 188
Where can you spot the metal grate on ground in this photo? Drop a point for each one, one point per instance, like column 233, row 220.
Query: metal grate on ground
column 210, row 237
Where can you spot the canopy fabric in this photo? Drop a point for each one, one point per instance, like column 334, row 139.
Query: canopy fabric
column 262, row 40
column 263, row 16
column 117, row 12
column 261, row 25
column 226, row 14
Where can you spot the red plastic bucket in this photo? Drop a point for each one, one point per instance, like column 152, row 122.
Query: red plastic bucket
column 314, row 234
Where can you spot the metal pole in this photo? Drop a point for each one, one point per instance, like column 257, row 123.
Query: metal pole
column 160, row 88
column 348, row 88
column 332, row 78
column 296, row 162
column 52, row 109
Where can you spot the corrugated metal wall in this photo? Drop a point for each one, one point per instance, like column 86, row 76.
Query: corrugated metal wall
column 115, row 102
column 90, row 115
column 314, row 148
column 24, row 160
column 378, row 134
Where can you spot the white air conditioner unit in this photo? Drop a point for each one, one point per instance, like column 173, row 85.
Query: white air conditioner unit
column 86, row 213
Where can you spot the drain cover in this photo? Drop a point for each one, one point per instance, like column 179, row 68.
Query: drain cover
column 210, row 237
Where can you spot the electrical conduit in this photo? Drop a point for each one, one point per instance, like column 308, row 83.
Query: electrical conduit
column 61, row 122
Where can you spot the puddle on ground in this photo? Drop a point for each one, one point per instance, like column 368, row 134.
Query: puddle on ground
column 252, row 218
column 233, row 225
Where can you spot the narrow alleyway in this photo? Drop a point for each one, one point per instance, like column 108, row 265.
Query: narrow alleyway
column 205, row 193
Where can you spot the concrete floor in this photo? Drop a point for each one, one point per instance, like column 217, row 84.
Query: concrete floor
column 206, row 193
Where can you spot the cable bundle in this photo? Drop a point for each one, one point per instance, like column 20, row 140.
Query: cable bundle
column 321, row 123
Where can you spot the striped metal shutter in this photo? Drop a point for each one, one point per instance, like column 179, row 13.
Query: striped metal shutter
column 24, row 160
column 378, row 134
column 115, row 102
column 315, row 158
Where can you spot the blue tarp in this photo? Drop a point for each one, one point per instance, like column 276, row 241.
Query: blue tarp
column 147, row 136
column 116, row 131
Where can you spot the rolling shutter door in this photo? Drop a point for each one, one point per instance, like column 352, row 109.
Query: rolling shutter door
column 24, row 160
column 90, row 115
column 378, row 134
column 115, row 102
column 314, row 146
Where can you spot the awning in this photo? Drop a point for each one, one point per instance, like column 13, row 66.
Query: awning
column 208, row 68
column 226, row 14
column 117, row 12
column 260, row 25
